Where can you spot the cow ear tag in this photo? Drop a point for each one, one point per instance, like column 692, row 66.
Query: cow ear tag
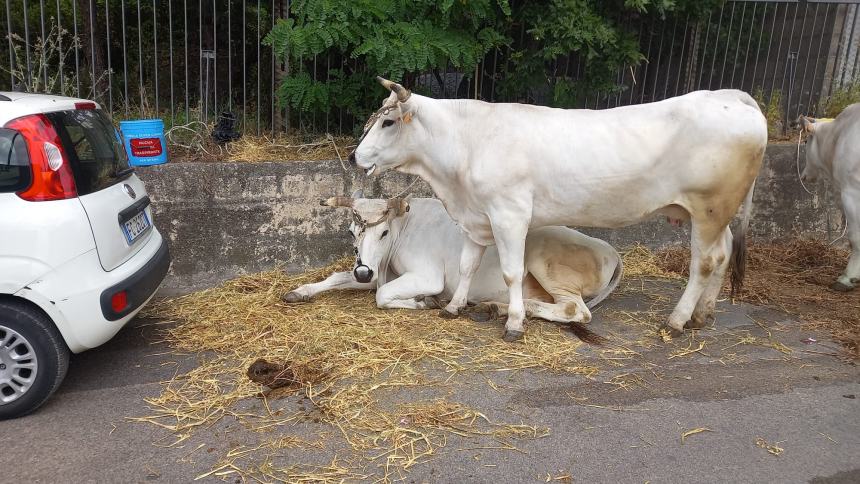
column 407, row 118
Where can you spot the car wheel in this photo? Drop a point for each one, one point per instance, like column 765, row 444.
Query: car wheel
column 33, row 359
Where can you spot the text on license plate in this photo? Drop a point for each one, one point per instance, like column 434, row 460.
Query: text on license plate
column 136, row 226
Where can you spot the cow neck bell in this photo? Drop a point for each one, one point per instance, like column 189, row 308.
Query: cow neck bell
column 362, row 273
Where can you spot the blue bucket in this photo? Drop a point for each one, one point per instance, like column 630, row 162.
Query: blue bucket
column 144, row 141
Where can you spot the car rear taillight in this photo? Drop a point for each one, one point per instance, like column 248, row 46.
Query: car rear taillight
column 52, row 174
column 85, row 105
column 119, row 301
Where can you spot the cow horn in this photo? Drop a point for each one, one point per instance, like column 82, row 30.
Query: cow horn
column 399, row 205
column 337, row 202
column 402, row 93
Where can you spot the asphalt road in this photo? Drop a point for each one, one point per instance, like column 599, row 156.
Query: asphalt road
column 806, row 403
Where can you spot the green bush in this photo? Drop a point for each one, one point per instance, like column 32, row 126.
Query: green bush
column 840, row 99
column 401, row 39
column 389, row 37
column 772, row 110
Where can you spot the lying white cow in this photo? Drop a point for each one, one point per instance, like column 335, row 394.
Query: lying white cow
column 833, row 152
column 504, row 169
column 409, row 251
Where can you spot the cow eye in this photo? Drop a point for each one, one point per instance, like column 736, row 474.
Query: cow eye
column 387, row 123
column 384, row 234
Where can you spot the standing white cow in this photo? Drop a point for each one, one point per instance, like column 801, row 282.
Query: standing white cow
column 409, row 252
column 833, row 152
column 502, row 169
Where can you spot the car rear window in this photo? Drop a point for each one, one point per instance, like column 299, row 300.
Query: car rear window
column 14, row 161
column 93, row 145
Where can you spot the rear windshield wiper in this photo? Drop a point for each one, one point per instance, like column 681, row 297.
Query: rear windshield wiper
column 123, row 172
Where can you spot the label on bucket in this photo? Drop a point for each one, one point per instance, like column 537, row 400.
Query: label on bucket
column 146, row 147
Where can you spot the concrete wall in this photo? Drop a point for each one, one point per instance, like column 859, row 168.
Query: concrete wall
column 226, row 219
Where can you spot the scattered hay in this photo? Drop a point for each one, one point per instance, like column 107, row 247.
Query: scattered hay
column 794, row 277
column 642, row 325
column 688, row 350
column 563, row 477
column 233, row 465
column 694, row 432
column 748, row 339
column 773, row 449
column 642, row 262
column 360, row 357
column 665, row 336
column 641, row 266
column 626, row 381
column 254, row 149
column 420, row 429
column 293, row 148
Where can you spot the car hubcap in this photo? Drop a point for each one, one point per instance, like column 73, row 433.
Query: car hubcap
column 18, row 365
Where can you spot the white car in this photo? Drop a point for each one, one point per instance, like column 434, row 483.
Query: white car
column 79, row 255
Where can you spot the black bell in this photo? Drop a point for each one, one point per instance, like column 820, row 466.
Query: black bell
column 362, row 273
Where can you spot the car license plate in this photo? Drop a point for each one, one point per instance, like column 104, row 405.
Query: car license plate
column 136, row 226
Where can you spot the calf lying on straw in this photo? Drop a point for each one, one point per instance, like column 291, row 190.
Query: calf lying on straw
column 409, row 252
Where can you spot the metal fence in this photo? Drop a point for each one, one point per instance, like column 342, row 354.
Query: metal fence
column 788, row 54
column 180, row 59
column 184, row 60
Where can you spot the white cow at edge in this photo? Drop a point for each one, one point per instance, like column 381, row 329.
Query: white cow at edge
column 833, row 152
column 503, row 169
column 409, row 252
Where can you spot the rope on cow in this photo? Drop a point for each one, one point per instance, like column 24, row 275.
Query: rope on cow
column 330, row 139
column 416, row 180
column 844, row 229
column 800, row 178
column 797, row 161
column 385, row 263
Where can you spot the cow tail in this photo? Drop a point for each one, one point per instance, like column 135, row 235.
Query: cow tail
column 579, row 329
column 613, row 283
column 738, row 259
column 587, row 335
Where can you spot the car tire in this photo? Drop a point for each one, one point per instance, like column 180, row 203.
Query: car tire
column 33, row 359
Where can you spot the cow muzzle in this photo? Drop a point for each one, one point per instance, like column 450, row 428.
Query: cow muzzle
column 362, row 273
column 369, row 171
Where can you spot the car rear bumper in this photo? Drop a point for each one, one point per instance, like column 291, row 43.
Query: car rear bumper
column 72, row 294
column 139, row 287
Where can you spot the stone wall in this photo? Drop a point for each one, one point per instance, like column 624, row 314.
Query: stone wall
column 226, row 219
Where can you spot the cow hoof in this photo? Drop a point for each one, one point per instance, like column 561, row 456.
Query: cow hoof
column 480, row 316
column 483, row 313
column 293, row 297
column 670, row 332
column 699, row 323
column 431, row 302
column 512, row 335
column 445, row 314
column 839, row 286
